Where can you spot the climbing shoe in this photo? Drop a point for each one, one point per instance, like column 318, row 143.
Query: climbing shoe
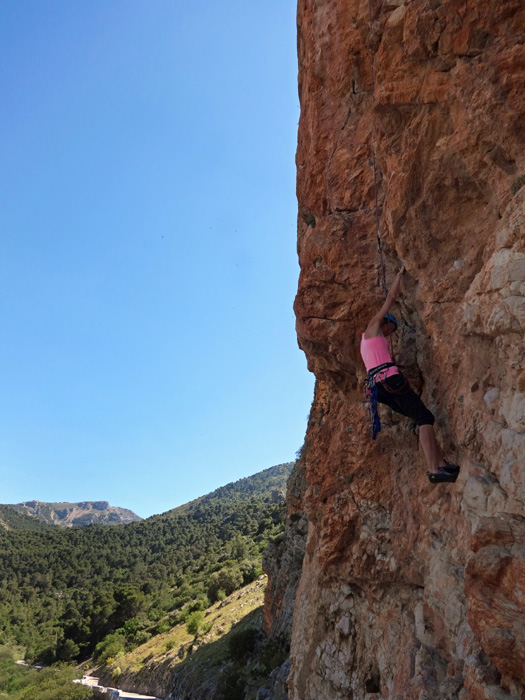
column 447, row 473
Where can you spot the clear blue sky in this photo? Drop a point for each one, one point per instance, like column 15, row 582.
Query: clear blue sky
column 148, row 248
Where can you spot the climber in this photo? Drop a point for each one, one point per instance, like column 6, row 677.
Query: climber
column 386, row 384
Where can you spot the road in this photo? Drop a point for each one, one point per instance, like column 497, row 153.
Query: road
column 113, row 693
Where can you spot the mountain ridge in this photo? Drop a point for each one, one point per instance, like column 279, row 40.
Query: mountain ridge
column 242, row 489
column 80, row 514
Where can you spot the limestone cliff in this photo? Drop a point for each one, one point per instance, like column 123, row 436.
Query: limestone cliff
column 408, row 590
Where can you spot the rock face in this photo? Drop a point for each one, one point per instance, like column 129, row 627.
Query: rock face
column 408, row 590
column 283, row 560
column 77, row 514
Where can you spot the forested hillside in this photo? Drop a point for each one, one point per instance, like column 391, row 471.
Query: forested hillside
column 10, row 519
column 63, row 592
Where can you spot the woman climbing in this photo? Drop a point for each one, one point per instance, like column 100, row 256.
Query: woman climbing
column 386, row 384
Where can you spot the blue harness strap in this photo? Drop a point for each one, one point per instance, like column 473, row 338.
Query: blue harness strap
column 374, row 415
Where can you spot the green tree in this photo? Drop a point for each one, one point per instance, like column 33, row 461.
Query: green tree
column 194, row 622
column 68, row 650
column 239, row 548
column 230, row 579
column 110, row 647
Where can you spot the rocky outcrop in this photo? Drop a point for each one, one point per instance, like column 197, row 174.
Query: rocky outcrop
column 77, row 514
column 282, row 562
column 408, row 590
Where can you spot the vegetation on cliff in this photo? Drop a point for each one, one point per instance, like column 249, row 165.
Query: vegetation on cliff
column 66, row 594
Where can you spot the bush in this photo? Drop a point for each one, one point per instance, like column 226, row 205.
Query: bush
column 231, row 685
column 131, row 628
column 241, row 642
column 213, row 586
column 251, row 569
column 227, row 579
column 68, row 650
column 162, row 627
column 111, row 646
column 274, row 653
column 142, row 637
column 200, row 603
column 194, row 622
column 154, row 614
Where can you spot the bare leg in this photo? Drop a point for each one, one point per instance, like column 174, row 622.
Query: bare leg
column 428, row 441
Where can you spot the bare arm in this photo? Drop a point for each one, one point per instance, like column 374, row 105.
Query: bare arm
column 373, row 328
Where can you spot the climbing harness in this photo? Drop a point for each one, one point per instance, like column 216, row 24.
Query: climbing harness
column 376, row 374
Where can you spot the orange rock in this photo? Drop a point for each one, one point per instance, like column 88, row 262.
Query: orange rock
column 409, row 590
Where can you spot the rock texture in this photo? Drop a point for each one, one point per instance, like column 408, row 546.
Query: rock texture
column 77, row 514
column 408, row 590
column 282, row 562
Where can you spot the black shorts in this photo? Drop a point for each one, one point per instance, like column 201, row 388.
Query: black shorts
column 402, row 399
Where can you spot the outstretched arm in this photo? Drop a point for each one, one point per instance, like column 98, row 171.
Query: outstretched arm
column 374, row 327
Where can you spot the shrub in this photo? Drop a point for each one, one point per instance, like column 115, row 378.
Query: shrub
column 131, row 628
column 231, row 685
column 241, row 642
column 194, row 622
column 110, row 647
column 142, row 637
column 250, row 569
column 200, row 603
column 162, row 627
column 68, row 650
column 274, row 653
column 227, row 579
column 154, row 614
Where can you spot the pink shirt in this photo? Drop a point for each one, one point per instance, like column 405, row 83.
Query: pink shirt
column 375, row 352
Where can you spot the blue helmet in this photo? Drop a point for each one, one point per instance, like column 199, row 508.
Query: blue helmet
column 389, row 317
